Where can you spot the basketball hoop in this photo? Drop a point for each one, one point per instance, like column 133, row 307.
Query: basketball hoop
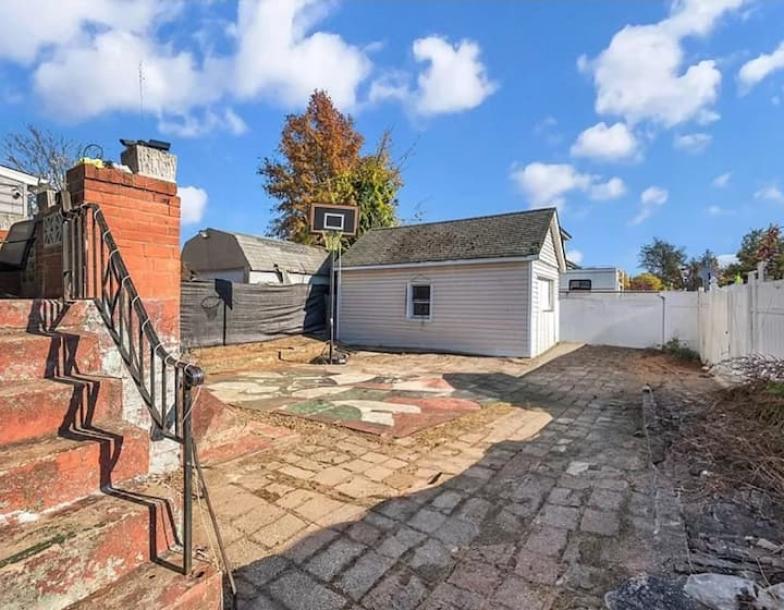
column 333, row 222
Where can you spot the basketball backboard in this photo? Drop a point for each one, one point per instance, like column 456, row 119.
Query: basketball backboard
column 327, row 218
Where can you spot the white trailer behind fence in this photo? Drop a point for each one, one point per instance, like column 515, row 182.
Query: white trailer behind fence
column 720, row 323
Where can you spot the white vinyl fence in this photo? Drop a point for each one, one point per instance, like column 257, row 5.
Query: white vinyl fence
column 721, row 323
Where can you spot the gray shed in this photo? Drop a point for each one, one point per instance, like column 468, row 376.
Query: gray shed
column 237, row 257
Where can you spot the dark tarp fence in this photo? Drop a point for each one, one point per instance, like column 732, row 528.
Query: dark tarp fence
column 224, row 313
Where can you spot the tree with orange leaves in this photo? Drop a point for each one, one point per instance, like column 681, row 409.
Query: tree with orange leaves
column 321, row 162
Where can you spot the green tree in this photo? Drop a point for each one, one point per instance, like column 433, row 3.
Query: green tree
column 320, row 161
column 665, row 261
column 758, row 245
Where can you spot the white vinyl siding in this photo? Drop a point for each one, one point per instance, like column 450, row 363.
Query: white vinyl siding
column 475, row 309
column 547, row 255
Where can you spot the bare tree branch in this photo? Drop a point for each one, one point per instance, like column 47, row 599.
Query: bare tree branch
column 41, row 153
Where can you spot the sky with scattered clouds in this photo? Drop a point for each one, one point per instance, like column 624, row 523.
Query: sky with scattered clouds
column 635, row 119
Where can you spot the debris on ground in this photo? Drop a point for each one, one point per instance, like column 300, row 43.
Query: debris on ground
column 649, row 592
column 725, row 592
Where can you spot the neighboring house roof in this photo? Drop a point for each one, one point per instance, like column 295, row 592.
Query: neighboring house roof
column 518, row 234
column 263, row 254
column 17, row 176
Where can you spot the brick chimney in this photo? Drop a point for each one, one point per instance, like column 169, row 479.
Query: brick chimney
column 143, row 213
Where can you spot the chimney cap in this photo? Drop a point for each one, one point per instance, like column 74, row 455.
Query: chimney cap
column 156, row 144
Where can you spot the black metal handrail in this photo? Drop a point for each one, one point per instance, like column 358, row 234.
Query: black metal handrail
column 94, row 269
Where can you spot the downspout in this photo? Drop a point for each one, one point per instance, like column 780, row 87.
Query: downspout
column 664, row 318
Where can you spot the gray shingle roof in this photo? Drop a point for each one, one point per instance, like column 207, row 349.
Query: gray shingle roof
column 263, row 254
column 500, row 236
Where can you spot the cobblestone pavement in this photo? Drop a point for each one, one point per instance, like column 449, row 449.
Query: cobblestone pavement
column 543, row 500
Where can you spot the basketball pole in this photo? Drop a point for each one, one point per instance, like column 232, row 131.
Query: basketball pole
column 331, row 304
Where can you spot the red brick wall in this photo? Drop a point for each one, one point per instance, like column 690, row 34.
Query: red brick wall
column 144, row 217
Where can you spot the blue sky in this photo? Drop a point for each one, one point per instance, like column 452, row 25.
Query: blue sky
column 637, row 119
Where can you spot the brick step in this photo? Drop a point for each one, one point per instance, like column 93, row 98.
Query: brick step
column 67, row 555
column 30, row 314
column 45, row 473
column 152, row 586
column 38, row 408
column 25, row 356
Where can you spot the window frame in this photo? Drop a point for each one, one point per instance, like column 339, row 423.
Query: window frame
column 410, row 300
column 575, row 280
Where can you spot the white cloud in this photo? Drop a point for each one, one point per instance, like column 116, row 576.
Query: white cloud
column 612, row 189
column 454, row 79
column 193, row 203
column 29, row 26
column 546, row 185
column 279, row 57
column 716, row 210
column 770, row 193
column 726, row 259
column 651, row 198
column 722, row 181
column 693, row 143
column 759, row 68
column 95, row 51
column 606, row 143
column 641, row 75
column 575, row 256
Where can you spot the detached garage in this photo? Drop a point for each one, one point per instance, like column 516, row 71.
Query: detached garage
column 486, row 286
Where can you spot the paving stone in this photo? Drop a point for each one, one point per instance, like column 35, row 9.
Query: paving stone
column 449, row 597
column 456, row 532
column 473, row 576
column 305, row 548
column 447, row 501
column 536, row 568
column 296, row 472
column 394, row 545
column 546, row 541
column 398, row 591
column 259, row 573
column 474, row 510
column 317, row 507
column 359, row 487
column 327, row 563
column 279, row 531
column 364, row 532
column 378, row 473
column 252, row 522
column 295, row 498
column 427, row 520
column 516, row 593
column 298, row 591
column 559, row 516
column 606, row 499
column 566, row 497
column 367, row 570
column 400, row 509
column 431, row 560
column 600, row 522
column 495, row 554
column 332, row 476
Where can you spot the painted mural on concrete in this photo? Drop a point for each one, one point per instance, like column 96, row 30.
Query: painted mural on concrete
column 390, row 406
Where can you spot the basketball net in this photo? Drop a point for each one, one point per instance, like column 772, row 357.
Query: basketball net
column 333, row 240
